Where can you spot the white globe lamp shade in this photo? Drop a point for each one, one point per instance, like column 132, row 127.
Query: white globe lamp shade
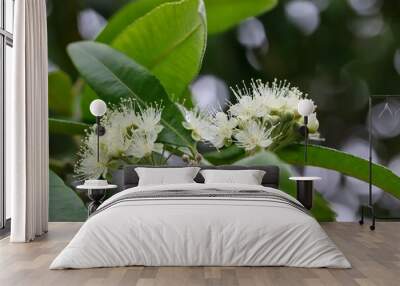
column 98, row 107
column 305, row 107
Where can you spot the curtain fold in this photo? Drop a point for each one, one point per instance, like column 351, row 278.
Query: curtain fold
column 27, row 124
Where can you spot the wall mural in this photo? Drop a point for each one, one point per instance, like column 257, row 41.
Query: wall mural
column 164, row 69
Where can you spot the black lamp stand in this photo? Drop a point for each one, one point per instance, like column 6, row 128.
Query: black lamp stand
column 100, row 131
column 304, row 132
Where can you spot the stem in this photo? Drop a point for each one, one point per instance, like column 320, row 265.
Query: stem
column 152, row 159
column 162, row 156
column 174, row 151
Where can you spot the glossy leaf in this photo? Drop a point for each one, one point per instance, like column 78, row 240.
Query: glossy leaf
column 66, row 127
column 64, row 203
column 344, row 163
column 224, row 14
column 224, row 156
column 170, row 41
column 221, row 14
column 113, row 76
column 126, row 16
column 320, row 210
column 61, row 101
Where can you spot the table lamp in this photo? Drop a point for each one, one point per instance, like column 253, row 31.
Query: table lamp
column 98, row 108
column 305, row 108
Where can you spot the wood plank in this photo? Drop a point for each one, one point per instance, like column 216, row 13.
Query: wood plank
column 375, row 257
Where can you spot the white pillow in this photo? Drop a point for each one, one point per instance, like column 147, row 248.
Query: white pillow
column 166, row 176
column 247, row 177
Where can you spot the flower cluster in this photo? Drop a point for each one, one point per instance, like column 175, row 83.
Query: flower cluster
column 131, row 136
column 264, row 116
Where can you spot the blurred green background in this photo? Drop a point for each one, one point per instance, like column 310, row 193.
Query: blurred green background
column 339, row 52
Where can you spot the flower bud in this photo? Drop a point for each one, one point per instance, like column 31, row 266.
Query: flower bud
column 185, row 158
column 198, row 157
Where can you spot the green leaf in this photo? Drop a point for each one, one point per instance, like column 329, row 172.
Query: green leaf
column 127, row 15
column 221, row 14
column 224, row 14
column 61, row 101
column 170, row 41
column 344, row 163
column 321, row 210
column 64, row 203
column 224, row 156
column 66, row 127
column 113, row 76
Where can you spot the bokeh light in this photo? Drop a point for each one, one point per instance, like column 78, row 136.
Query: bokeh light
column 52, row 67
column 394, row 164
column 251, row 33
column 368, row 27
column 322, row 4
column 344, row 212
column 396, row 61
column 359, row 147
column 90, row 23
column 365, row 7
column 330, row 182
column 210, row 93
column 304, row 15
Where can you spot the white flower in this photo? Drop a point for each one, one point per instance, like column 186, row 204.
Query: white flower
column 122, row 117
column 254, row 134
column 128, row 133
column 246, row 108
column 270, row 103
column 269, row 98
column 200, row 125
column 143, row 145
column 278, row 96
column 224, row 128
column 216, row 130
column 114, row 142
column 88, row 168
column 262, row 99
column 149, row 120
column 292, row 101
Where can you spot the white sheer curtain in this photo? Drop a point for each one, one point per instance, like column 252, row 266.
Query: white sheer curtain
column 27, row 124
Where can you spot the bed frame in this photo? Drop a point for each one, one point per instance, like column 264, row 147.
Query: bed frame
column 127, row 177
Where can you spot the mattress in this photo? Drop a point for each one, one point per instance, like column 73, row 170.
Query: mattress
column 201, row 225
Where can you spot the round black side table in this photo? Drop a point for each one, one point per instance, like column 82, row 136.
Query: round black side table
column 96, row 195
column 305, row 190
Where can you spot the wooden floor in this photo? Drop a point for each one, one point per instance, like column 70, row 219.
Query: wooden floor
column 375, row 257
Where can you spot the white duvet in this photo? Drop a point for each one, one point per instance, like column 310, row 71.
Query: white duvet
column 206, row 231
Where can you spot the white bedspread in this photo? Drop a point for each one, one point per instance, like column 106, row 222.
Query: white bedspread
column 200, row 231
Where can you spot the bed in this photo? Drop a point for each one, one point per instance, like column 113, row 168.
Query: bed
column 198, row 224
